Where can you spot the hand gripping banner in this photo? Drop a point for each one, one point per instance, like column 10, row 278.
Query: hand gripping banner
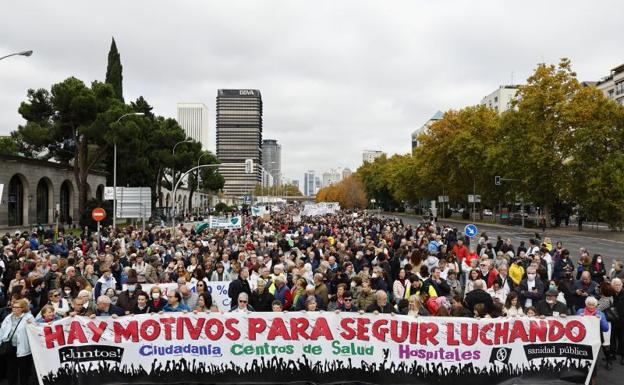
column 316, row 347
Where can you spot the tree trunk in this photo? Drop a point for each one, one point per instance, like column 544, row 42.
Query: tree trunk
column 81, row 172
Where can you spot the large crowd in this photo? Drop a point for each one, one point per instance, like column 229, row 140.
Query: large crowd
column 343, row 262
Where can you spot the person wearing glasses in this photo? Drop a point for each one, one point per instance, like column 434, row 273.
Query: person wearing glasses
column 19, row 360
column 348, row 305
column 242, row 305
column 60, row 305
column 174, row 302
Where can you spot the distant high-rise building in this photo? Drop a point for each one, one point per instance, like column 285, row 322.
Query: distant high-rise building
column 272, row 159
column 309, row 188
column 295, row 182
column 423, row 129
column 346, row 172
column 500, row 100
column 331, row 177
column 371, row 155
column 317, row 184
column 239, row 137
column 193, row 117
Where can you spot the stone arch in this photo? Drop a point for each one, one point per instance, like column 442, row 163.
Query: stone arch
column 44, row 201
column 18, row 202
column 66, row 201
column 167, row 200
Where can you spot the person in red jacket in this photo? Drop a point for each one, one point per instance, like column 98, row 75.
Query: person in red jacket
column 460, row 250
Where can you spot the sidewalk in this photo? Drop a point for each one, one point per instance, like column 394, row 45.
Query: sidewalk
column 588, row 231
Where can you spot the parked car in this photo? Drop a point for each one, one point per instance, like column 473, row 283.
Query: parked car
column 487, row 213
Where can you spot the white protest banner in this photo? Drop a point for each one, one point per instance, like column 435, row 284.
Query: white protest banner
column 315, row 347
column 218, row 291
column 321, row 208
column 258, row 211
column 225, row 223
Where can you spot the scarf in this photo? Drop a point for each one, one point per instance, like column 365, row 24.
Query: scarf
column 588, row 312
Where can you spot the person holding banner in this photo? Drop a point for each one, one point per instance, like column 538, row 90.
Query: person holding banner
column 13, row 332
column 174, row 302
column 156, row 302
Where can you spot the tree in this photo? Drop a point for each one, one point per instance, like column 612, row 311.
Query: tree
column 349, row 192
column 282, row 190
column 71, row 123
column 114, row 75
column 8, row 146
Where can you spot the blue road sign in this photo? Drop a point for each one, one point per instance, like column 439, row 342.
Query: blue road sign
column 247, row 199
column 471, row 230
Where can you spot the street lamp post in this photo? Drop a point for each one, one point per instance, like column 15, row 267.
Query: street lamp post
column 23, row 53
column 175, row 203
column 198, row 159
column 115, row 168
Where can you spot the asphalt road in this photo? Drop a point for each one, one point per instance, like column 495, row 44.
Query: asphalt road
column 610, row 249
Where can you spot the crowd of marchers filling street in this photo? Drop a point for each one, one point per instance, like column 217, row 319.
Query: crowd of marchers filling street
column 350, row 261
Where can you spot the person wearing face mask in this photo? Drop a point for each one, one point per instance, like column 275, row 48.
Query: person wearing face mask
column 550, row 306
column 531, row 289
column 563, row 264
column 156, row 301
column 127, row 299
column 597, row 269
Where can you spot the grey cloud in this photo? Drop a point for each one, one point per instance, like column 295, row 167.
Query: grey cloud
column 336, row 77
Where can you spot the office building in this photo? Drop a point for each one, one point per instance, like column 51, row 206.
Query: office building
column 613, row 85
column 193, row 117
column 331, row 177
column 309, row 188
column 371, row 155
column 239, row 137
column 272, row 159
column 423, row 129
column 346, row 172
column 500, row 100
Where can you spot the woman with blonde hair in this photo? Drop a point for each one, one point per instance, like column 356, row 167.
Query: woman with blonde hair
column 19, row 358
column 415, row 306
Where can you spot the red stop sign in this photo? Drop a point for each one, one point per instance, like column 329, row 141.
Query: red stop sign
column 98, row 214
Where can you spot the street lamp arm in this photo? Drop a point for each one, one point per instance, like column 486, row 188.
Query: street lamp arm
column 23, row 53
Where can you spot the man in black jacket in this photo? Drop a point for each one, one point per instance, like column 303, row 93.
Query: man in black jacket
column 260, row 298
column 105, row 308
column 381, row 304
column 240, row 285
column 478, row 295
column 549, row 306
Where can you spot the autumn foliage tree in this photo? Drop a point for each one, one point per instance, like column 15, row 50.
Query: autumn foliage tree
column 349, row 193
column 558, row 146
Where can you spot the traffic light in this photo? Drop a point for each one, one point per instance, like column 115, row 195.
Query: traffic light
column 497, row 180
column 248, row 166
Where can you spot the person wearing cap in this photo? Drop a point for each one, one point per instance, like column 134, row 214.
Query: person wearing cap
column 550, row 306
column 127, row 299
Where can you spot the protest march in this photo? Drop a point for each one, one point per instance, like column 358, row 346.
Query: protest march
column 312, row 293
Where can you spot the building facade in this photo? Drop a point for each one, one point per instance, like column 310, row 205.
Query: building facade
column 272, row 159
column 32, row 191
column 613, row 85
column 371, row 155
column 309, row 187
column 346, row 172
column 331, row 177
column 239, row 137
column 193, row 117
column 500, row 100
column 423, row 129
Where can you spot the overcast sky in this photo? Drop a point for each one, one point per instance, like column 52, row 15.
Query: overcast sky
column 336, row 77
